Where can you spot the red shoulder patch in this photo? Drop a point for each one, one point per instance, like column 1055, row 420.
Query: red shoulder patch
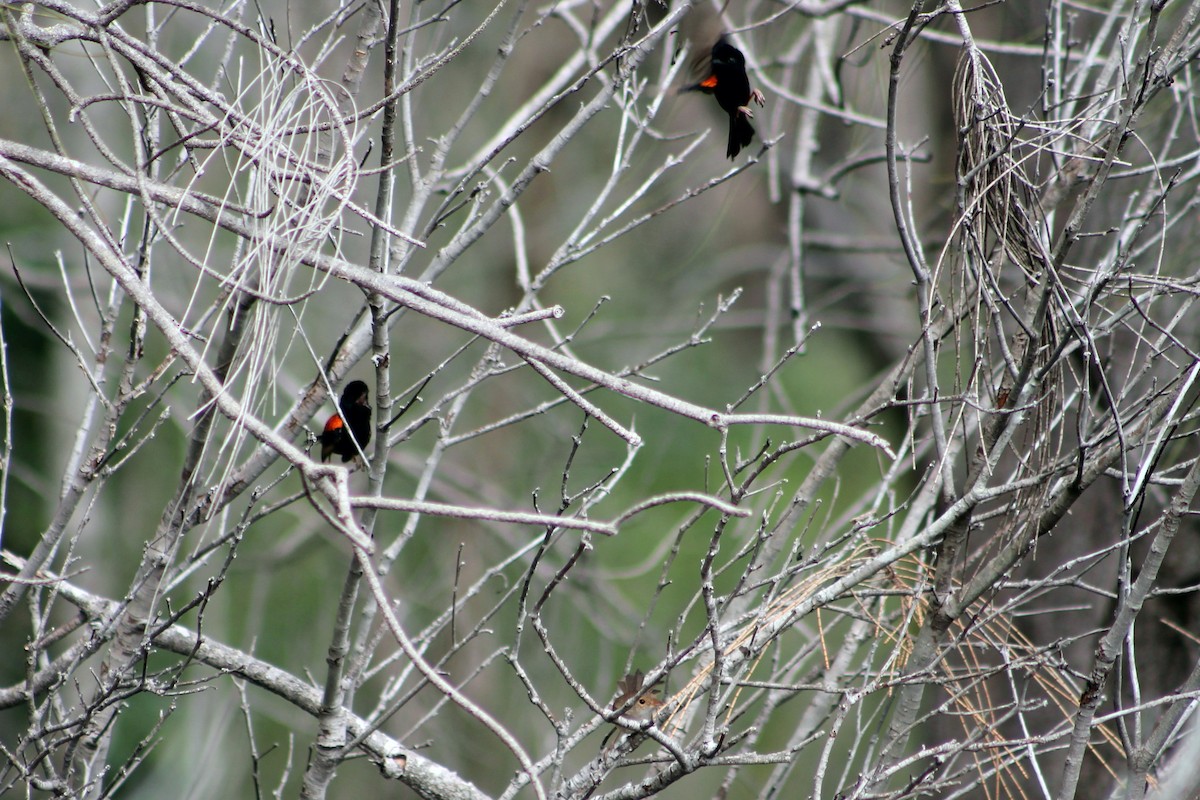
column 710, row 82
column 334, row 423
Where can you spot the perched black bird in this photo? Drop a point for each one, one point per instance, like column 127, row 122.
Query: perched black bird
column 726, row 79
column 352, row 420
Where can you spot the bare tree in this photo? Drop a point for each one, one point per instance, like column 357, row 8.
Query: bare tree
column 860, row 466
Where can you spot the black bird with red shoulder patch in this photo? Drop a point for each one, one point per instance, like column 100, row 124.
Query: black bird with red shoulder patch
column 351, row 425
column 726, row 79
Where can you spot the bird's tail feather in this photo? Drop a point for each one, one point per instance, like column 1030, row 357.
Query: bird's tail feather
column 741, row 132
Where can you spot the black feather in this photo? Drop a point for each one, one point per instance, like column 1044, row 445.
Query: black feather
column 355, row 412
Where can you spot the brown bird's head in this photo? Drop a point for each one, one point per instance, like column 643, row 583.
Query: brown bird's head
column 647, row 703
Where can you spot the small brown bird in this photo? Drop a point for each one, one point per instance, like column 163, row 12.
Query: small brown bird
column 644, row 707
column 726, row 79
column 351, row 425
